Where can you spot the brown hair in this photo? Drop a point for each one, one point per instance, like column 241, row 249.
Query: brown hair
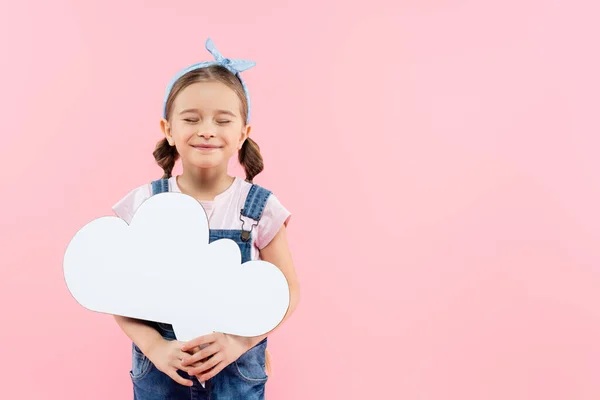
column 249, row 155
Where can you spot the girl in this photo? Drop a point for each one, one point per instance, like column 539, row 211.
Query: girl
column 206, row 116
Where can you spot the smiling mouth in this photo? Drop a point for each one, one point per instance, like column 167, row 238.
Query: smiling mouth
column 205, row 147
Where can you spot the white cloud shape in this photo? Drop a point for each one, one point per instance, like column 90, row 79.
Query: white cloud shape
column 162, row 268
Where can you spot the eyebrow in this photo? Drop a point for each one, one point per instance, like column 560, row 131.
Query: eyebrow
column 217, row 111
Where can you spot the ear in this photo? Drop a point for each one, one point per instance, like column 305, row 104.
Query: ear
column 244, row 136
column 165, row 127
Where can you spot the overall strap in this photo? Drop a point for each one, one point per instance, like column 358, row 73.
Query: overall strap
column 253, row 208
column 160, row 186
column 255, row 202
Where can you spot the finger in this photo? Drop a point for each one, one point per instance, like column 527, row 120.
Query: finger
column 212, row 372
column 176, row 356
column 192, row 350
column 179, row 379
column 200, row 368
column 204, row 353
column 183, row 356
column 199, row 341
column 176, row 363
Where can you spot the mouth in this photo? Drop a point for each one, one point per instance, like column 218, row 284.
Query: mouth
column 205, row 147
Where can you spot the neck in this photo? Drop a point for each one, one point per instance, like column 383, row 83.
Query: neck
column 204, row 183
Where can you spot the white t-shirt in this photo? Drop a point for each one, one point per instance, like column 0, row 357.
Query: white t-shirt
column 223, row 212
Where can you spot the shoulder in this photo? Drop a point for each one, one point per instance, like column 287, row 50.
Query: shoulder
column 246, row 186
column 274, row 214
column 257, row 192
column 126, row 206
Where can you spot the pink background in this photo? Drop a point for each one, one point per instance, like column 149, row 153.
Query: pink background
column 439, row 157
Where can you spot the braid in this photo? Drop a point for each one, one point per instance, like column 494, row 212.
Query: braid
column 251, row 159
column 166, row 156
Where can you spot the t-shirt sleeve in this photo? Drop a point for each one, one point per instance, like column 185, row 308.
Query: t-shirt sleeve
column 274, row 216
column 127, row 206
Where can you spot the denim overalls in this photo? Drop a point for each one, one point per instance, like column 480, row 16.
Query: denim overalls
column 243, row 379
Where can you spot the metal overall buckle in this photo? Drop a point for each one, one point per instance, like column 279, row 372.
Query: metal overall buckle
column 246, row 235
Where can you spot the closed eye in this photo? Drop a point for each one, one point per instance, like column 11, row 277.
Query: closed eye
column 190, row 120
column 223, row 122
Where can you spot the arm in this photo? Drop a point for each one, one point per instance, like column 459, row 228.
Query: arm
column 165, row 355
column 140, row 333
column 278, row 253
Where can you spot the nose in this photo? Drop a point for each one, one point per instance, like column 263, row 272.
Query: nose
column 206, row 129
column 205, row 134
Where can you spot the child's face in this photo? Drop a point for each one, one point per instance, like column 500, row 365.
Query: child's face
column 206, row 125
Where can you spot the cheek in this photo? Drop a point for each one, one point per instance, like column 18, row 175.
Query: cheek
column 233, row 137
column 232, row 144
column 183, row 133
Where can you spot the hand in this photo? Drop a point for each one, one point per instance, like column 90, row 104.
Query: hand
column 166, row 355
column 223, row 349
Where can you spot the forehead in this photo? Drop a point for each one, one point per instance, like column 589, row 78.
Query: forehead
column 207, row 96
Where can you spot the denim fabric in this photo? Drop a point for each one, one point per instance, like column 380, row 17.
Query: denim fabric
column 243, row 379
column 236, row 236
column 255, row 202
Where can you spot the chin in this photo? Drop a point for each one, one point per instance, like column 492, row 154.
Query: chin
column 204, row 163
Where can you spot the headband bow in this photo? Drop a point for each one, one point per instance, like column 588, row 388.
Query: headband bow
column 235, row 66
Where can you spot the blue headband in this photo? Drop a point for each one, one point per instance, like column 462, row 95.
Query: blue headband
column 234, row 65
